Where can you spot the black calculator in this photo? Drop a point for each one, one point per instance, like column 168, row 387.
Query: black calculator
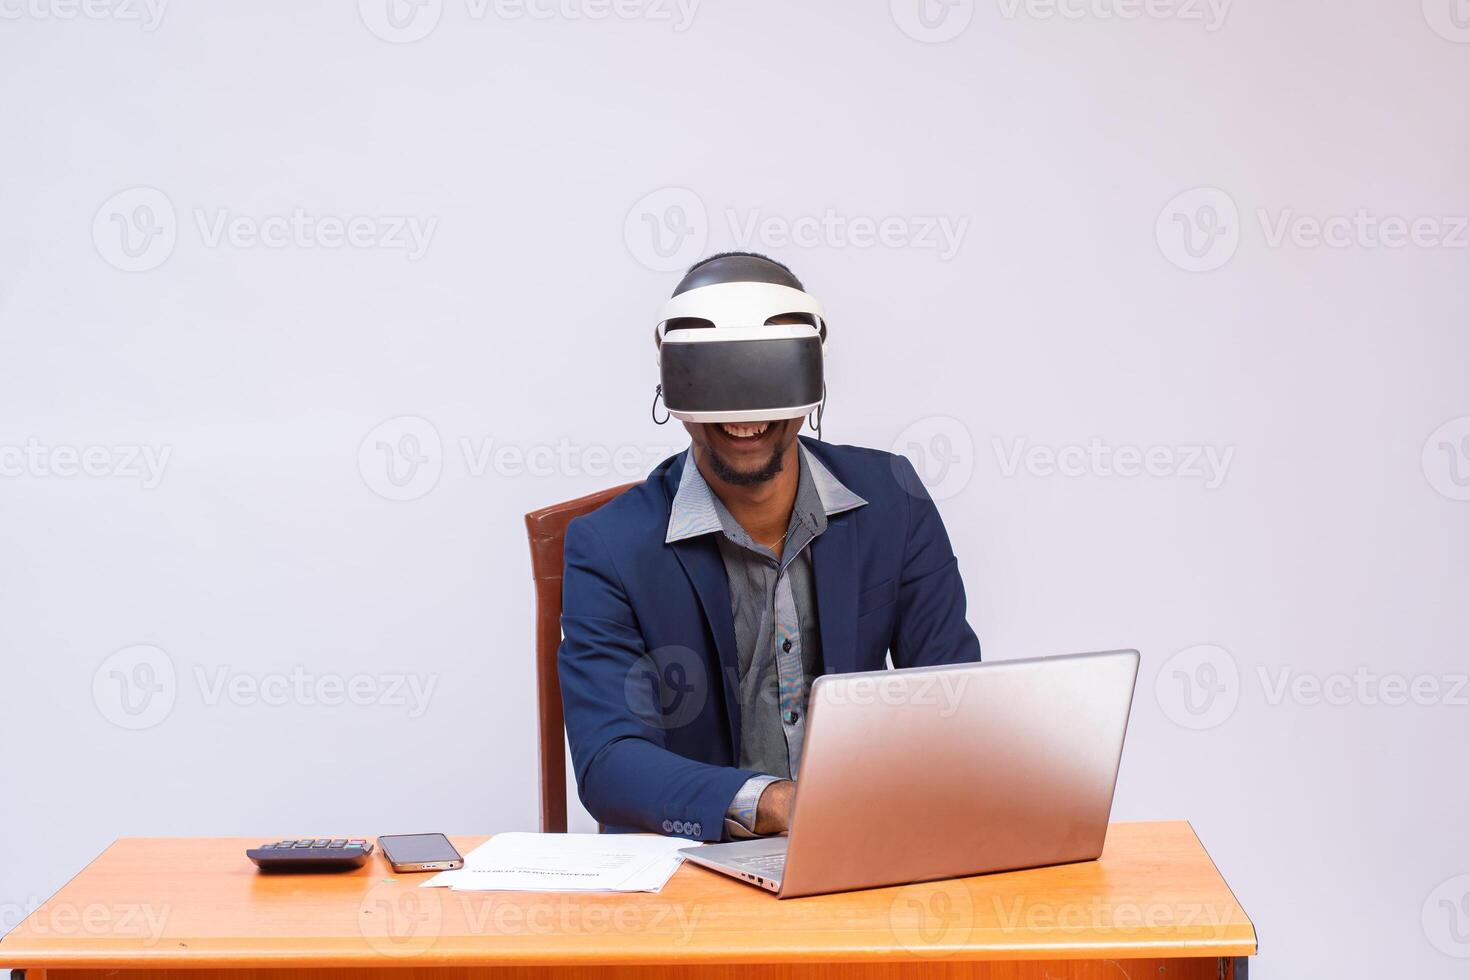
column 320, row 854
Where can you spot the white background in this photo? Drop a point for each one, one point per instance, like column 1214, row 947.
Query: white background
column 566, row 164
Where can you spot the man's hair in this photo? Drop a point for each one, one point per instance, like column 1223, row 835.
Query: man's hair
column 750, row 255
column 737, row 267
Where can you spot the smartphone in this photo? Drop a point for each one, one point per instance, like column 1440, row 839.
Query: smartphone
column 420, row 852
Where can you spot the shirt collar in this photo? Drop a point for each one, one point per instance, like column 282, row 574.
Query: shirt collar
column 696, row 510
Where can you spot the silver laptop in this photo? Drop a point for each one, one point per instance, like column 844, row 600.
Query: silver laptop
column 939, row 772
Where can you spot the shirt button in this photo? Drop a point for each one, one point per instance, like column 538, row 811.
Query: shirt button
column 786, row 646
column 668, row 827
column 678, row 826
column 790, row 717
column 695, row 829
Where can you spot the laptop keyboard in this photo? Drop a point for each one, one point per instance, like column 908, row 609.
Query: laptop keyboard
column 770, row 865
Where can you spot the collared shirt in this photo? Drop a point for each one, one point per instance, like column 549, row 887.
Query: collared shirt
column 773, row 604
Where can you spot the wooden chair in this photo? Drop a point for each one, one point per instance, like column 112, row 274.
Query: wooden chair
column 547, row 530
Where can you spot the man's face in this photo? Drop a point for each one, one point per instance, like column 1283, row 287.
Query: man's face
column 745, row 453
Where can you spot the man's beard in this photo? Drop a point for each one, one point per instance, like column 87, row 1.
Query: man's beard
column 735, row 477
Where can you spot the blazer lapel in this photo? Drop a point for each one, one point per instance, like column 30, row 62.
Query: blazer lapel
column 702, row 563
column 836, row 574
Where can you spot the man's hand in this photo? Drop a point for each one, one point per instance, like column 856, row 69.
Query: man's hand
column 773, row 812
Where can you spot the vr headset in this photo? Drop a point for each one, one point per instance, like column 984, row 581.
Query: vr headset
column 741, row 341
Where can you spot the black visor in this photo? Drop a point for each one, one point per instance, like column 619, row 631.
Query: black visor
column 742, row 375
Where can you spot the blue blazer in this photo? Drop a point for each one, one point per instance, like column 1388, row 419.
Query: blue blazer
column 648, row 637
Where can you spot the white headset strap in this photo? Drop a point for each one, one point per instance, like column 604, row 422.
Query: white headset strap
column 740, row 304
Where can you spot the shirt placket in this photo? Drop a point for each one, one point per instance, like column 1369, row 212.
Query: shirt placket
column 790, row 682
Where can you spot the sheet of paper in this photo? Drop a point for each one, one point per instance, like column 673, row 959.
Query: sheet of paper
column 567, row 863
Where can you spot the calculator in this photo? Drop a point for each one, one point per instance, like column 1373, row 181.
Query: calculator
column 312, row 854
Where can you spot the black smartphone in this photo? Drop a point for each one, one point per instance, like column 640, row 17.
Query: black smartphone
column 420, row 852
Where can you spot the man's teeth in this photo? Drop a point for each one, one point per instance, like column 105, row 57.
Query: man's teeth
column 744, row 430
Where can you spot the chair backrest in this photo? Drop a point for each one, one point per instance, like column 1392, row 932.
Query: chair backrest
column 547, row 530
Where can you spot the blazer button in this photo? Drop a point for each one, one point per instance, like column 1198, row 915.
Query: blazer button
column 668, row 827
column 695, row 830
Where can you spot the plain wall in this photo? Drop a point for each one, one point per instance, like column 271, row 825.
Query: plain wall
column 1070, row 268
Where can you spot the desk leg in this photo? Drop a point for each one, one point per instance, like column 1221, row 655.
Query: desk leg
column 1196, row 968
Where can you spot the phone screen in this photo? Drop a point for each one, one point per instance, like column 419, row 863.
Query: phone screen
column 418, row 848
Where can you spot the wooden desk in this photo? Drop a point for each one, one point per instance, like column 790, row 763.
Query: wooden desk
column 1153, row 906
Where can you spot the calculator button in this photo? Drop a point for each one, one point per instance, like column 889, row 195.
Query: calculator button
column 320, row 843
column 354, row 847
column 339, row 843
column 356, row 840
column 300, row 844
column 285, row 843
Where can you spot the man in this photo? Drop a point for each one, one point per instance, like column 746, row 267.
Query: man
column 699, row 606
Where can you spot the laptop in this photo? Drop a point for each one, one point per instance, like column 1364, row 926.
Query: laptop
column 941, row 772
